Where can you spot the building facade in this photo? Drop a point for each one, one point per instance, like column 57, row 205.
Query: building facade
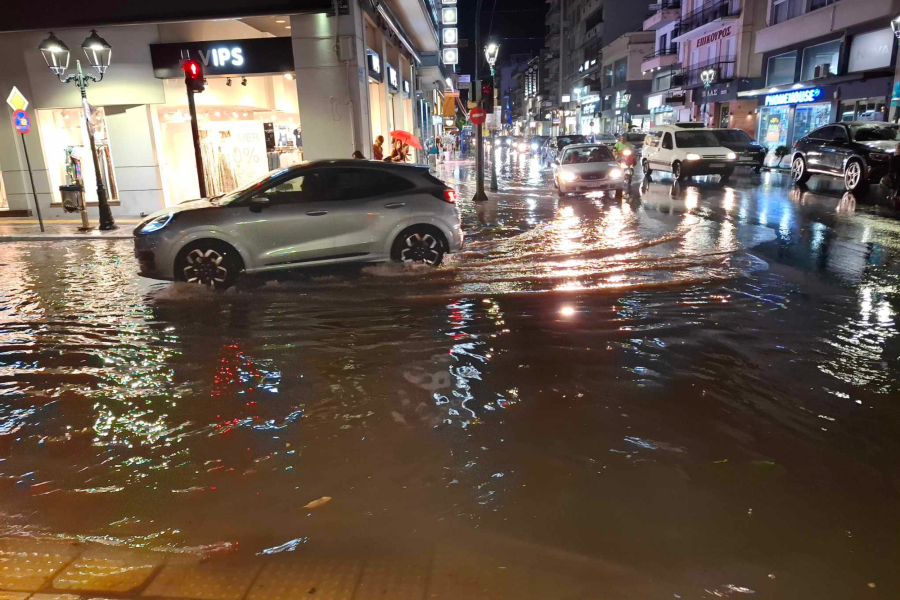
column 284, row 84
column 823, row 61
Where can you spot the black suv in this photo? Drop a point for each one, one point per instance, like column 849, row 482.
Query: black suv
column 749, row 153
column 858, row 152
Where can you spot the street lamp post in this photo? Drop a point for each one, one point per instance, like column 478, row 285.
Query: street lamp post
column 98, row 53
column 491, row 51
column 895, row 91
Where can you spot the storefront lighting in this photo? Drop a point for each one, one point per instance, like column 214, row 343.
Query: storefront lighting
column 289, row 76
column 449, row 15
column 450, row 36
column 218, row 114
column 287, row 27
column 234, row 114
column 450, row 56
column 448, row 1
column 279, row 20
column 895, row 26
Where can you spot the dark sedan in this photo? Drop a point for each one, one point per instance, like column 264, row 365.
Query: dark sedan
column 555, row 144
column 858, row 152
column 749, row 153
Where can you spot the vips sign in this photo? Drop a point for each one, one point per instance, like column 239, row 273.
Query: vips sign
column 715, row 36
column 225, row 57
column 795, row 97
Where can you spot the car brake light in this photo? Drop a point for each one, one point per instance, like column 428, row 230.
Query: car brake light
column 451, row 196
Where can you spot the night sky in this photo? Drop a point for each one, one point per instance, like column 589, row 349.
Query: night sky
column 517, row 24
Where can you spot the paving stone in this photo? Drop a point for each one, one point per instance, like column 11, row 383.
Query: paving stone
column 331, row 579
column 13, row 595
column 55, row 597
column 209, row 580
column 27, row 565
column 108, row 570
column 394, row 578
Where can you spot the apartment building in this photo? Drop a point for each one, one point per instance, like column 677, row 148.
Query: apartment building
column 665, row 102
column 623, row 87
column 716, row 45
column 823, row 61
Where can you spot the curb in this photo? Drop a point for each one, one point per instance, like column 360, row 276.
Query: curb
column 54, row 237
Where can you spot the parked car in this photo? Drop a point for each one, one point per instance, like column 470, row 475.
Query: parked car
column 686, row 150
column 860, row 152
column 584, row 168
column 316, row 213
column 557, row 143
column 749, row 153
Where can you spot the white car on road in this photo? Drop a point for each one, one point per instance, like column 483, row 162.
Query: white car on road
column 686, row 150
column 586, row 168
column 315, row 213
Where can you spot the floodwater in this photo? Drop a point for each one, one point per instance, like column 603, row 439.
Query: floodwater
column 696, row 386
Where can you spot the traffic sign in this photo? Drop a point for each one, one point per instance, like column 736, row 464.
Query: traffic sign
column 21, row 121
column 477, row 115
column 16, row 100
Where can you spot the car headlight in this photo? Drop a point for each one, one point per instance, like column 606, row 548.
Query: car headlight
column 692, row 156
column 534, row 146
column 568, row 176
column 615, row 173
column 731, row 156
column 879, row 156
column 522, row 147
column 157, row 223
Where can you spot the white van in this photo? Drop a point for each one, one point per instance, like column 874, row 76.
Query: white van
column 685, row 150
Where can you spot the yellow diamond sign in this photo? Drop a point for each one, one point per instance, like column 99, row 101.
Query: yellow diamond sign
column 16, row 100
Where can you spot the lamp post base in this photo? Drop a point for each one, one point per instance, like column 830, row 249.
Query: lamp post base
column 480, row 196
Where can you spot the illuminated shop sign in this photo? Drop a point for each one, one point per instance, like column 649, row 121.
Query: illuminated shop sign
column 225, row 57
column 794, row 97
column 373, row 62
column 393, row 82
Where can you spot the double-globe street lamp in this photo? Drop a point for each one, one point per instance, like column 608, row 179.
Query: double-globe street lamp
column 491, row 51
column 98, row 53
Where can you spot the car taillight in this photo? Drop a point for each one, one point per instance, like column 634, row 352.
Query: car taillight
column 451, row 196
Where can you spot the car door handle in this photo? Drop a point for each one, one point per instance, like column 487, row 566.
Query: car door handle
column 395, row 204
column 317, row 213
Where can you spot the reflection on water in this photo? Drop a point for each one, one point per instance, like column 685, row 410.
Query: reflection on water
column 624, row 380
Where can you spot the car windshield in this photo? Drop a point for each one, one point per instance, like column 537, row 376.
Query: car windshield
column 696, row 139
column 567, row 140
column 606, row 137
column 240, row 192
column 635, row 138
column 732, row 135
column 587, row 154
column 875, row 133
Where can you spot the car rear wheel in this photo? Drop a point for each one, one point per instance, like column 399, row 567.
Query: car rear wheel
column 798, row 170
column 208, row 262
column 854, row 176
column 420, row 244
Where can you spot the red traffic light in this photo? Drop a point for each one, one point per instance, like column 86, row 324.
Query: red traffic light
column 192, row 69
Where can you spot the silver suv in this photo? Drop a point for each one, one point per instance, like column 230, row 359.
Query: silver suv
column 322, row 212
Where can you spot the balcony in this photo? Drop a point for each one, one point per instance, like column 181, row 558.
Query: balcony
column 724, row 67
column 705, row 19
column 665, row 13
column 660, row 58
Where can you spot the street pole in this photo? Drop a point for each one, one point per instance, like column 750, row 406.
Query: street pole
column 195, row 134
column 493, row 143
column 37, row 206
column 480, row 196
column 81, row 80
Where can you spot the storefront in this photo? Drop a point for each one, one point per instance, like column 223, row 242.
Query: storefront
column 788, row 116
column 590, row 122
column 248, row 116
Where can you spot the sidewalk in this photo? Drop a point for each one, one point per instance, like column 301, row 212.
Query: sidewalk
column 28, row 229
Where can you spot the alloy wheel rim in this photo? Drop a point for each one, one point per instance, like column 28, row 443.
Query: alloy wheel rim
column 797, row 168
column 420, row 247
column 205, row 267
column 853, row 175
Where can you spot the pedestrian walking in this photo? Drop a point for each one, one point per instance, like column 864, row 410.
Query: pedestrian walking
column 358, row 155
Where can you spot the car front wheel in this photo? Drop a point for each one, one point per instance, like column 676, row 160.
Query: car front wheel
column 676, row 171
column 210, row 263
column 798, row 170
column 419, row 245
column 854, row 176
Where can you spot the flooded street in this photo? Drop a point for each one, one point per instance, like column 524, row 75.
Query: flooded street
column 689, row 393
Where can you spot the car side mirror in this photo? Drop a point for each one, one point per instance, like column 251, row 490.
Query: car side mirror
column 258, row 203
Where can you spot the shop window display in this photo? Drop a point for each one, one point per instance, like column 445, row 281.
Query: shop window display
column 810, row 117
column 67, row 152
column 773, row 126
column 245, row 131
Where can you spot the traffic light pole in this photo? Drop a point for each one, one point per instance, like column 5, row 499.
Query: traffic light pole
column 493, row 140
column 195, row 133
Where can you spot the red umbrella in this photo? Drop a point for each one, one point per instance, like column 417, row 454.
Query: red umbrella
column 408, row 138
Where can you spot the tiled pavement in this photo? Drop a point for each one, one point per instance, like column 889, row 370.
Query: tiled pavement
column 58, row 570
